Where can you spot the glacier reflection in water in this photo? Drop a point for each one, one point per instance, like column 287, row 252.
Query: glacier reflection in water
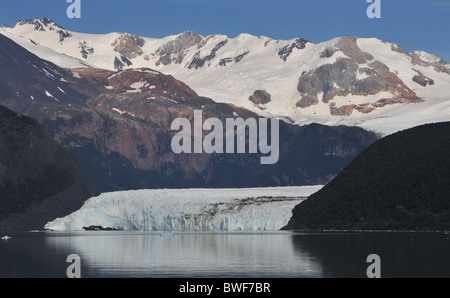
column 225, row 254
column 134, row 254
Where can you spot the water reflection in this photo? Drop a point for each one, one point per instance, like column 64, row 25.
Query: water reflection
column 188, row 255
column 403, row 255
column 26, row 255
column 255, row 255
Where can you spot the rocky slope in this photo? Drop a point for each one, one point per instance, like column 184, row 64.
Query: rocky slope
column 401, row 182
column 39, row 180
column 117, row 124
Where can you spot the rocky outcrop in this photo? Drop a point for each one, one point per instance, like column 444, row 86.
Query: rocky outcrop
column 174, row 51
column 198, row 62
column 260, row 97
column 238, row 58
column 286, row 51
column 422, row 80
column 128, row 45
column 85, row 50
column 347, row 110
column 342, row 78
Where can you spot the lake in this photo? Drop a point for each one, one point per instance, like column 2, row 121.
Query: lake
column 280, row 254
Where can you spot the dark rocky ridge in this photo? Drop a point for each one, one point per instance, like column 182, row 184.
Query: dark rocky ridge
column 85, row 50
column 28, row 81
column 225, row 61
column 198, row 62
column 401, row 182
column 39, row 180
column 286, row 51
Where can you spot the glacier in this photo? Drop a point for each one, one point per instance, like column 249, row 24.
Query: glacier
column 248, row 209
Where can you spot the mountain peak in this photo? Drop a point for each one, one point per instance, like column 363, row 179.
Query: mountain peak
column 40, row 24
column 45, row 25
column 431, row 58
column 174, row 51
column 190, row 34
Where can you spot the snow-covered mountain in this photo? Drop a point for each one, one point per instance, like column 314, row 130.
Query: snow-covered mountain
column 117, row 124
column 366, row 78
column 188, row 210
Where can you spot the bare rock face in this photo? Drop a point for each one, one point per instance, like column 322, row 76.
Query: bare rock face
column 175, row 50
column 422, row 80
column 198, row 62
column 341, row 79
column 85, row 50
column 229, row 60
column 260, row 97
column 286, row 51
column 347, row 110
column 128, row 45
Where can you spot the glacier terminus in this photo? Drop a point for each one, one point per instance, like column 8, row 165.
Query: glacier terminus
column 249, row 209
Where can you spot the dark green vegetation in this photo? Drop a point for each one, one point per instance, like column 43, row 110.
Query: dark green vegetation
column 35, row 173
column 401, row 182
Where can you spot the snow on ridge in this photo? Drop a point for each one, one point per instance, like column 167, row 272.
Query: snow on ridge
column 188, row 209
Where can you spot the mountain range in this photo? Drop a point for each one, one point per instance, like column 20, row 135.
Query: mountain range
column 117, row 125
column 374, row 81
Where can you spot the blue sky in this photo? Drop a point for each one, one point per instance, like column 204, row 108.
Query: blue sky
column 414, row 24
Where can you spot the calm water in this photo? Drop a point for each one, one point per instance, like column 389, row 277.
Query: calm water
column 255, row 255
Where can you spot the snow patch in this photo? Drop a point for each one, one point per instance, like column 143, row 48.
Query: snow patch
column 123, row 112
column 50, row 95
column 76, row 75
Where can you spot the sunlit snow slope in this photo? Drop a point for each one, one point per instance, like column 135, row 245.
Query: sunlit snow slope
column 188, row 209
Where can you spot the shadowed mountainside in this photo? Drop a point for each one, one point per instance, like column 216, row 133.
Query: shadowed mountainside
column 401, row 182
